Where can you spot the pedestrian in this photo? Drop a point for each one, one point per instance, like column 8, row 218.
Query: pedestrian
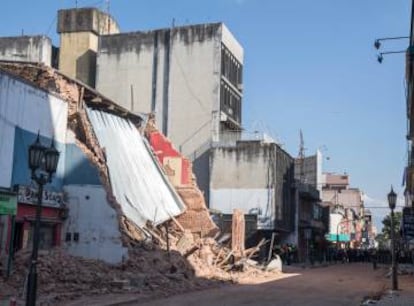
column 288, row 254
column 374, row 258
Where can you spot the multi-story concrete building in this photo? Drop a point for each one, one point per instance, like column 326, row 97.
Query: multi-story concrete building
column 189, row 76
column 256, row 176
column 311, row 218
column 346, row 208
column 308, row 170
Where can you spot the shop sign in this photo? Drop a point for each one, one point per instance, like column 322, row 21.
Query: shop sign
column 340, row 237
column 408, row 223
column 28, row 195
column 8, row 204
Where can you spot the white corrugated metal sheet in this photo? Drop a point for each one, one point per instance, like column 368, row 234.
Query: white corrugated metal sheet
column 138, row 183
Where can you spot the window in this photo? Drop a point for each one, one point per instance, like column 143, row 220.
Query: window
column 76, row 237
column 231, row 68
column 230, row 102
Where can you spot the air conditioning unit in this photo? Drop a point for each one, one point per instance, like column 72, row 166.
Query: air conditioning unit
column 240, row 87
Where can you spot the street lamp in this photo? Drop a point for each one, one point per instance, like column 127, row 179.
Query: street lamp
column 380, row 56
column 43, row 163
column 392, row 200
column 377, row 43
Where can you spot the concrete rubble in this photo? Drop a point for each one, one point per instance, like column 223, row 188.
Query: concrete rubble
column 190, row 264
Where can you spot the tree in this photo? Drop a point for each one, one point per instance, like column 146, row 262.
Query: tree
column 386, row 230
column 382, row 242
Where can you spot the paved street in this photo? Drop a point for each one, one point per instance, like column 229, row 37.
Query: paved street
column 341, row 284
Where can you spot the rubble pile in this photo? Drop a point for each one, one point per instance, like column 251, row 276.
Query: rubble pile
column 159, row 266
column 196, row 218
column 213, row 260
column 64, row 277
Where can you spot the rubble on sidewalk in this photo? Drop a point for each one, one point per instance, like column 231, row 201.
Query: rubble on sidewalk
column 62, row 277
column 150, row 268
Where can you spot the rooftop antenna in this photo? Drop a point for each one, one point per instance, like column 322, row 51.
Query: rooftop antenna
column 107, row 11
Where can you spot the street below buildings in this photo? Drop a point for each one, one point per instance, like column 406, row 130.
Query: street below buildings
column 338, row 284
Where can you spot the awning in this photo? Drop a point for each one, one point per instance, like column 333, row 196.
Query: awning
column 341, row 238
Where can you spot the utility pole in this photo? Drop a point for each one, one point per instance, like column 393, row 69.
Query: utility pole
column 108, row 17
column 301, row 157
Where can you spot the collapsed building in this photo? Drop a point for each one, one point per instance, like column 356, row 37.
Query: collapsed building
column 109, row 185
column 123, row 202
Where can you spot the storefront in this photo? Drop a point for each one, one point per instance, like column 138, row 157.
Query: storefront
column 53, row 214
column 8, row 210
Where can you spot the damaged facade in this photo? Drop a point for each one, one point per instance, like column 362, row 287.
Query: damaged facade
column 102, row 208
column 196, row 111
column 154, row 72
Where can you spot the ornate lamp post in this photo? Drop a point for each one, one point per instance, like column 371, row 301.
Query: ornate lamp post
column 43, row 163
column 392, row 199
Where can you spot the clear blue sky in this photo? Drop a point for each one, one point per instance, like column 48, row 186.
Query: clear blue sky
column 309, row 65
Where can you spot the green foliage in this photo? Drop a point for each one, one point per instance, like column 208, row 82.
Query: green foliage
column 382, row 241
column 386, row 230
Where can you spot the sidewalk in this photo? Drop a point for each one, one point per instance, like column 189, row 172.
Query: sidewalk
column 404, row 296
column 400, row 298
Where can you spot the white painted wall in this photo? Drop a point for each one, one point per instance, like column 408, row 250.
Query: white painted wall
column 335, row 219
column 27, row 49
column 242, row 167
column 239, row 179
column 126, row 61
column 117, row 72
column 232, row 44
column 194, row 92
column 31, row 109
column 96, row 221
column 193, row 74
column 250, row 201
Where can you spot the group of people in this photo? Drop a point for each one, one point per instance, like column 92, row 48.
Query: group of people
column 350, row 255
column 288, row 252
column 368, row 255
